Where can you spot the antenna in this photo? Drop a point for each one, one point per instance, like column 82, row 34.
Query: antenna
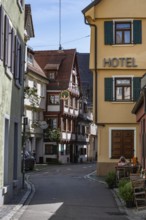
column 60, row 47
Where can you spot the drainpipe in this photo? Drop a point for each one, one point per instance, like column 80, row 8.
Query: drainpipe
column 95, row 67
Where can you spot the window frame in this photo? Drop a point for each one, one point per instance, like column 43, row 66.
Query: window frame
column 54, row 99
column 122, row 21
column 50, row 149
column 123, row 30
column 53, row 123
column 122, row 86
column 114, row 86
column 51, row 76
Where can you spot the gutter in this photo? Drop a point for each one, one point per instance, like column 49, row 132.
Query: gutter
column 95, row 67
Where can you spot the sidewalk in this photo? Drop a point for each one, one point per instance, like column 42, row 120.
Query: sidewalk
column 7, row 212
column 132, row 213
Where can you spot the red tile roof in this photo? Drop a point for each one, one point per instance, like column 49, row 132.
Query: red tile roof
column 65, row 59
column 35, row 68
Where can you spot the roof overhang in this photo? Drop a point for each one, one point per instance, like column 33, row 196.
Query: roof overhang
column 94, row 3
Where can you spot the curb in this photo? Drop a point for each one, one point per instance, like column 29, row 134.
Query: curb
column 24, row 200
column 132, row 214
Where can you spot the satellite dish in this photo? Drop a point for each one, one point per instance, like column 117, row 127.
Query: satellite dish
column 43, row 124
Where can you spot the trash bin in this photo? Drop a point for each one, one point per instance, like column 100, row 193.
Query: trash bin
column 41, row 160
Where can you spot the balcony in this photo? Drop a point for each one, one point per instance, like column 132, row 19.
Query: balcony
column 68, row 136
column 81, row 138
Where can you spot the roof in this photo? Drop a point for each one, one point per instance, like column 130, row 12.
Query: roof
column 50, row 59
column 139, row 101
column 28, row 21
column 91, row 5
column 34, row 66
column 86, row 76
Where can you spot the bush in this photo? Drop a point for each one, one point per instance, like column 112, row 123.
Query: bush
column 122, row 183
column 126, row 192
column 111, row 179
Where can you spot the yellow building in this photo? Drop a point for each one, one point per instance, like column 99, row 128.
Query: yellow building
column 117, row 60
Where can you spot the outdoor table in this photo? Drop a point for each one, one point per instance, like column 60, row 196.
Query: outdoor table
column 125, row 170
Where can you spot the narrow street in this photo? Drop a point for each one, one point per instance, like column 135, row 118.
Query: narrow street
column 63, row 193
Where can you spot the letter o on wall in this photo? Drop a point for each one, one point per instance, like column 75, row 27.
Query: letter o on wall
column 114, row 62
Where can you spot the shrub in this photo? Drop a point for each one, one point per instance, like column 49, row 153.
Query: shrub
column 126, row 192
column 111, row 179
column 122, row 183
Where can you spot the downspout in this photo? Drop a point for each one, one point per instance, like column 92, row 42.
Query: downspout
column 95, row 67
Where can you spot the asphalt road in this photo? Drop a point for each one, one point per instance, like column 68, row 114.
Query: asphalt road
column 63, row 193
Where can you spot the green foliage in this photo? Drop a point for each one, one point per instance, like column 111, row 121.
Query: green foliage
column 52, row 134
column 31, row 94
column 111, row 179
column 126, row 192
column 122, row 183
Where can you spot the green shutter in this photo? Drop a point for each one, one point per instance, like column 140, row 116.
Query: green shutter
column 108, row 32
column 136, row 88
column 108, row 88
column 137, row 32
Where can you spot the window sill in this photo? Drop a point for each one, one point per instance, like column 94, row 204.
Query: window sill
column 122, row 102
column 123, row 45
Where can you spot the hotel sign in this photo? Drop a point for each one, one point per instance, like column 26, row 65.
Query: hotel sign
column 120, row 62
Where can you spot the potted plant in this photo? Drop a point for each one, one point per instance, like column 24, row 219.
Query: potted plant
column 110, row 179
column 126, row 193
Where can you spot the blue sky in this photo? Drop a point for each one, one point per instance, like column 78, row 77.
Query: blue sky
column 74, row 32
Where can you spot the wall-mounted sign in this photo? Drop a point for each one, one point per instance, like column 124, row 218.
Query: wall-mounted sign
column 64, row 95
column 120, row 62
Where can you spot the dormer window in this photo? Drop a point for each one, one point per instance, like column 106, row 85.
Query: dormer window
column 51, row 75
column 30, row 58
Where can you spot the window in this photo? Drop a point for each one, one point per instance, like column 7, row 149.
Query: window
column 52, row 122
column 73, row 79
column 82, row 151
column 122, row 143
column 18, row 61
column 52, row 75
column 123, row 32
column 1, row 32
column 30, row 58
column 54, row 99
column 50, row 149
column 64, row 124
column 62, row 149
column 122, row 89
